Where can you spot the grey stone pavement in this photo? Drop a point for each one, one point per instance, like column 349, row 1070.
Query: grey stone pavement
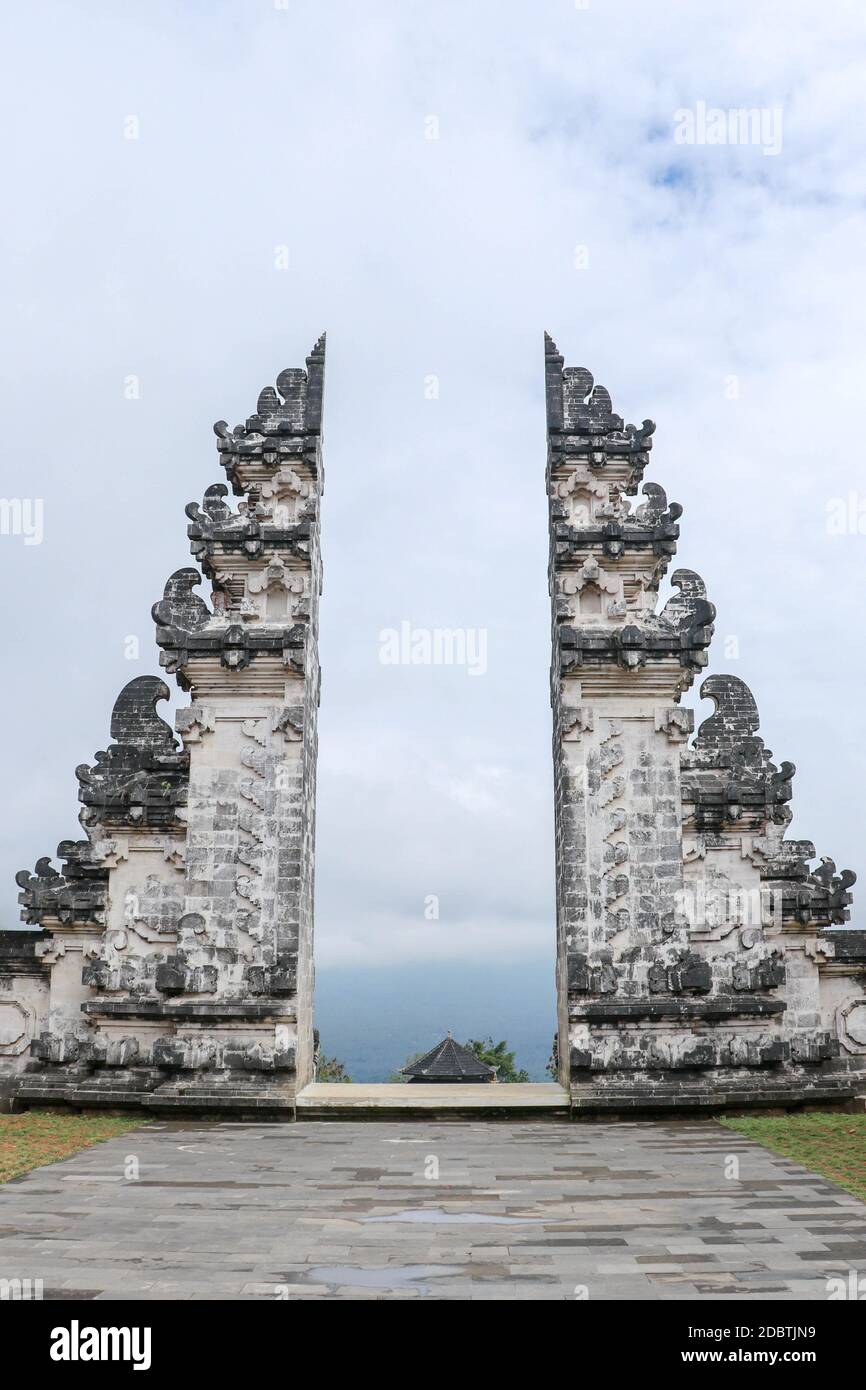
column 423, row 1209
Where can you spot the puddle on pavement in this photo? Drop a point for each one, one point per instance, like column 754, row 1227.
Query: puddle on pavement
column 379, row 1276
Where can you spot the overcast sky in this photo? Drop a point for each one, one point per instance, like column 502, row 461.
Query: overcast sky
column 718, row 289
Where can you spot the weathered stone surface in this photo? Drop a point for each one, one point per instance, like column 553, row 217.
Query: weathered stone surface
column 142, row 778
column 700, row 961
column 517, row 1210
column 176, row 967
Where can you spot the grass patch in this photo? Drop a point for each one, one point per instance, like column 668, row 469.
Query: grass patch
column 833, row 1145
column 37, row 1137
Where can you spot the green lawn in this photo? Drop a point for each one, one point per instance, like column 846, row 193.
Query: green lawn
column 833, row 1145
column 43, row 1136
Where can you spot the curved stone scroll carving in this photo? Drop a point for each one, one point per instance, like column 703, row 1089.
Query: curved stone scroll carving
column 179, row 608
column 134, row 719
column 735, row 716
column 689, row 610
column 141, row 779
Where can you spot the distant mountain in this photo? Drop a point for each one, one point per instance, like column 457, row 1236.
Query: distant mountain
column 373, row 1019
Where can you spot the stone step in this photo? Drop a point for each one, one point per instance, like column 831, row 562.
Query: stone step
column 335, row 1100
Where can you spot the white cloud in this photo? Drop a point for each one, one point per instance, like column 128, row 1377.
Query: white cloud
column 261, row 127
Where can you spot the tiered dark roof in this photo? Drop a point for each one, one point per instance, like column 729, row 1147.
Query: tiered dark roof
column 448, row 1059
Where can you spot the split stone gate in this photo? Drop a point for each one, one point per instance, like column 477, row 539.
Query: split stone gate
column 701, row 960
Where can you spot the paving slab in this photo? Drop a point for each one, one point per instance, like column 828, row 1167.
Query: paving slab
column 447, row 1209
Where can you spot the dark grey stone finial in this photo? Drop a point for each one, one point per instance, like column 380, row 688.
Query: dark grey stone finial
column 134, row 719
column 179, row 607
column 736, row 713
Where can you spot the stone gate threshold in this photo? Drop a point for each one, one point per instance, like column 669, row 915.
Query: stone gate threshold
column 334, row 1100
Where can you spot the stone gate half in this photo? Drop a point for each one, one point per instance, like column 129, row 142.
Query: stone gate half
column 174, row 966
column 700, row 960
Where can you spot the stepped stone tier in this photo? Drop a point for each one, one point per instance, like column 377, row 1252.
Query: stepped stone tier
column 174, row 965
column 701, row 961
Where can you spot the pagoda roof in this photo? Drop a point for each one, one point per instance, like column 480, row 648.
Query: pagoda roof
column 448, row 1058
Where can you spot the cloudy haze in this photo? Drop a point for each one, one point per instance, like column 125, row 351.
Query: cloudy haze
column 434, row 184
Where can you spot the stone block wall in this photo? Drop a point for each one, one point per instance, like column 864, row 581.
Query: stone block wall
column 174, row 968
column 701, row 961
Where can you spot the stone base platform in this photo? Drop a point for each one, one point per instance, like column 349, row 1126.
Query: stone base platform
column 613, row 1101
column 324, row 1101
column 236, row 1097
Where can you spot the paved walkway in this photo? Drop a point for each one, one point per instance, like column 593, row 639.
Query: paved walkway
column 455, row 1209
